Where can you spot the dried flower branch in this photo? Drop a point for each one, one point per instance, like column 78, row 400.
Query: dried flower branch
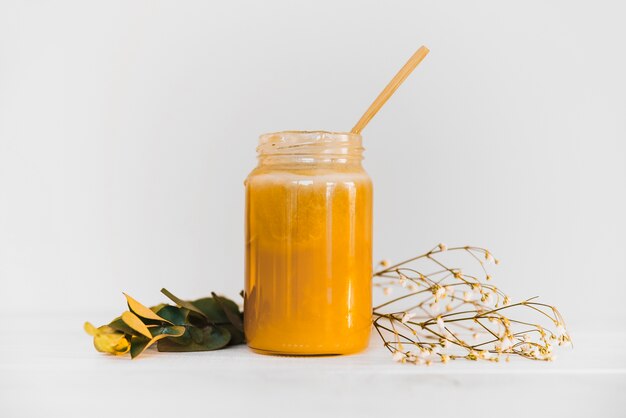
column 444, row 313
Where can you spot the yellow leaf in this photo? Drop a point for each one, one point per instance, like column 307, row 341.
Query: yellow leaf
column 107, row 339
column 142, row 311
column 111, row 343
column 122, row 347
column 157, row 308
column 90, row 329
column 179, row 330
column 135, row 323
column 105, row 329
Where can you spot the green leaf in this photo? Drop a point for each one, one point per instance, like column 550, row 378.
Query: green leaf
column 214, row 338
column 157, row 308
column 237, row 337
column 211, row 309
column 196, row 334
column 184, row 339
column 182, row 303
column 173, row 314
column 168, row 331
column 231, row 310
column 138, row 345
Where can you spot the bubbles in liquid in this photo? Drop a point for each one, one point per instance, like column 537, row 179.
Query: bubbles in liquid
column 304, row 208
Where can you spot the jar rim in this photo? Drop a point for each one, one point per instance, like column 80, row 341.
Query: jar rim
column 309, row 141
column 308, row 135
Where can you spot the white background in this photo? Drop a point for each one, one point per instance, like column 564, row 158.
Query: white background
column 127, row 129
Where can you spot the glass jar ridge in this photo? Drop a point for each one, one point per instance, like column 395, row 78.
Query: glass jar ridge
column 317, row 145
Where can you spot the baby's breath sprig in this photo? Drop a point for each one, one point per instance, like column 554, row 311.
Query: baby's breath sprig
column 446, row 313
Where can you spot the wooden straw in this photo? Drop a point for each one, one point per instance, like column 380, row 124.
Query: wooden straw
column 393, row 85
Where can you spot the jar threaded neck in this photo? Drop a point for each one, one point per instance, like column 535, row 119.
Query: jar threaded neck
column 321, row 144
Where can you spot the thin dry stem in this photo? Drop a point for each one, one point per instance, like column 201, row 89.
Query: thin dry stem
column 438, row 312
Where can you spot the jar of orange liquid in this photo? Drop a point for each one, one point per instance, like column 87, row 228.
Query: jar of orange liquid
column 308, row 284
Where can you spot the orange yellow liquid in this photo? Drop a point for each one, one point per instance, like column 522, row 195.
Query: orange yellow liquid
column 308, row 260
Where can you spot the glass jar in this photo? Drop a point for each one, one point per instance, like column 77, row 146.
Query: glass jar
column 308, row 288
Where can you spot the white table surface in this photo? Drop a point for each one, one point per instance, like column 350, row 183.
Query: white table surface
column 48, row 367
